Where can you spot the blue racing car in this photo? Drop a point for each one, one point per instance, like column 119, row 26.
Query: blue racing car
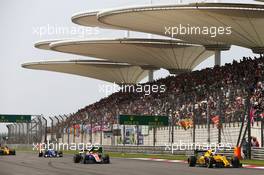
column 50, row 153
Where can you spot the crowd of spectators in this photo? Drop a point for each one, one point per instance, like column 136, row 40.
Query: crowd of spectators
column 222, row 91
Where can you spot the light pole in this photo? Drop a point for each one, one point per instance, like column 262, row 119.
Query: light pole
column 46, row 127
column 62, row 129
column 52, row 137
column 208, row 120
column 57, row 128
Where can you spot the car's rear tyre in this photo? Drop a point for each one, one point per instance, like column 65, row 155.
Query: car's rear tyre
column 46, row 154
column 209, row 163
column 219, row 165
column 192, row 161
column 13, row 152
column 41, row 154
column 106, row 159
column 236, row 163
column 60, row 154
column 77, row 158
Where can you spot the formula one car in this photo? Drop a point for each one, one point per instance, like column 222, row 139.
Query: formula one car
column 7, row 151
column 50, row 153
column 95, row 154
column 212, row 159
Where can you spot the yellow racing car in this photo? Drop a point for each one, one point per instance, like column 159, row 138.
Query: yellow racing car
column 7, row 151
column 212, row 159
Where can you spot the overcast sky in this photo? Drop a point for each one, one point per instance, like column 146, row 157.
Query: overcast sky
column 25, row 91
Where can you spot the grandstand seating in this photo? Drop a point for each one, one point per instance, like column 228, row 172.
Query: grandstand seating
column 224, row 88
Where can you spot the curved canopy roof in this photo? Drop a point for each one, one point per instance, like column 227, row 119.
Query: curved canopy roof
column 169, row 54
column 103, row 70
column 246, row 22
column 89, row 19
column 44, row 44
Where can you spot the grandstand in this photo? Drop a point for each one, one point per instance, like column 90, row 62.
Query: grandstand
column 184, row 99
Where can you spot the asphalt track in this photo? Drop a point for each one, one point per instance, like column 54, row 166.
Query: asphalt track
column 31, row 164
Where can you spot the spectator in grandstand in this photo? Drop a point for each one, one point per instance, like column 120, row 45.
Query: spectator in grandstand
column 254, row 142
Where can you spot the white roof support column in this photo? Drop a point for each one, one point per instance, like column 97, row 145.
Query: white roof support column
column 151, row 75
column 151, row 70
column 217, row 49
column 217, row 57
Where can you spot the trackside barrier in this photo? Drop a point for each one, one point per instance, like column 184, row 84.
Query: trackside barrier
column 143, row 149
column 154, row 150
column 258, row 153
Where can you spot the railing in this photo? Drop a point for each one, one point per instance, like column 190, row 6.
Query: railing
column 143, row 149
column 156, row 150
column 258, row 153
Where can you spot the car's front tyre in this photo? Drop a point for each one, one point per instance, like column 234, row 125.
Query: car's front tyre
column 192, row 161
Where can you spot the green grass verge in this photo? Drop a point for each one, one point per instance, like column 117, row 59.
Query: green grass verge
column 253, row 162
column 154, row 156
column 25, row 149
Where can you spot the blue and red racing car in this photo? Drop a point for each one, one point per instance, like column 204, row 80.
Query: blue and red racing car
column 95, row 154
